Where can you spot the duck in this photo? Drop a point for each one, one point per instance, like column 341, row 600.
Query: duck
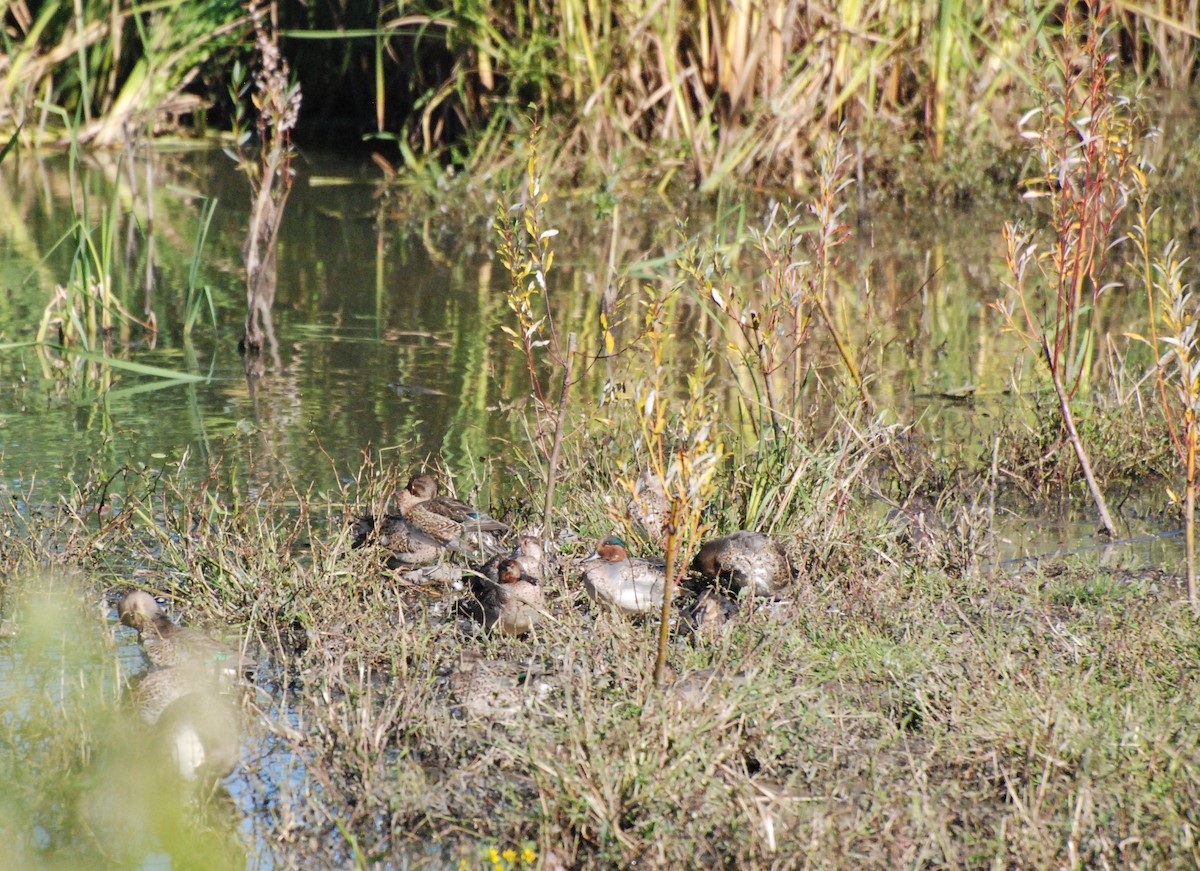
column 629, row 584
column 709, row 613
column 494, row 689
column 745, row 560
column 408, row 547
column 509, row 605
column 711, row 688
column 425, row 487
column 528, row 553
column 157, row 689
column 168, row 644
column 451, row 522
column 190, row 719
column 200, row 732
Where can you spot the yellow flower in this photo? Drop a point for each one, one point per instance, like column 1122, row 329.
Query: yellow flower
column 509, row 855
column 527, row 856
column 493, row 856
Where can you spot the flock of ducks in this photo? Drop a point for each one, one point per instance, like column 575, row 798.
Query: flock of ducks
column 187, row 699
column 505, row 595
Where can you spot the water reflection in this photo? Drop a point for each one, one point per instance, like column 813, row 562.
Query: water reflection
column 388, row 334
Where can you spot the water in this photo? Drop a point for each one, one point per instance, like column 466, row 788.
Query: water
column 388, row 332
column 389, row 325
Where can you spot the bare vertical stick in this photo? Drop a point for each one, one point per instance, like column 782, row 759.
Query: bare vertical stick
column 1064, row 407
column 277, row 100
column 664, row 624
column 1189, row 517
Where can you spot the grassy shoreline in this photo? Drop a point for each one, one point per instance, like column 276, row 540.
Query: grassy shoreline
column 886, row 713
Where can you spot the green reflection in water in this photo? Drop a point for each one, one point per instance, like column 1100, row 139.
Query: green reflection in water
column 388, row 335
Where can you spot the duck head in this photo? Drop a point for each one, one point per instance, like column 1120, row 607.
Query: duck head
column 610, row 550
column 510, row 572
column 422, row 486
column 139, row 609
column 416, row 492
column 531, row 546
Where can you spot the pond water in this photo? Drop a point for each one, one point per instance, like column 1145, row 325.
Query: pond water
column 388, row 328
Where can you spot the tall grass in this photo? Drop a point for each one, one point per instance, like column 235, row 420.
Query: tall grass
column 708, row 92
column 113, row 71
column 85, row 327
column 1174, row 338
column 1083, row 137
column 524, row 246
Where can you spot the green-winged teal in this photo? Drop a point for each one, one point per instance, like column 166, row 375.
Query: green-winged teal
column 191, row 719
column 509, row 605
column 494, row 689
column 425, row 488
column 452, row 523
column 745, row 560
column 632, row 585
column 708, row 613
column 528, row 553
column 167, row 644
column 201, row 733
column 709, row 688
column 408, row 546
column 156, row 689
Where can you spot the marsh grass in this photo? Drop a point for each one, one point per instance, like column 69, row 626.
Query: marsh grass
column 105, row 74
column 1083, row 137
column 1172, row 337
column 88, row 327
column 888, row 714
column 709, row 94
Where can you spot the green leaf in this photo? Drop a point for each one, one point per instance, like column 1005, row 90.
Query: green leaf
column 125, row 365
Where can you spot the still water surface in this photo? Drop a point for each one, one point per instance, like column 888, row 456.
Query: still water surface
column 389, row 330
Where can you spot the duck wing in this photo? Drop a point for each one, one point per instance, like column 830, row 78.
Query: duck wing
column 463, row 513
